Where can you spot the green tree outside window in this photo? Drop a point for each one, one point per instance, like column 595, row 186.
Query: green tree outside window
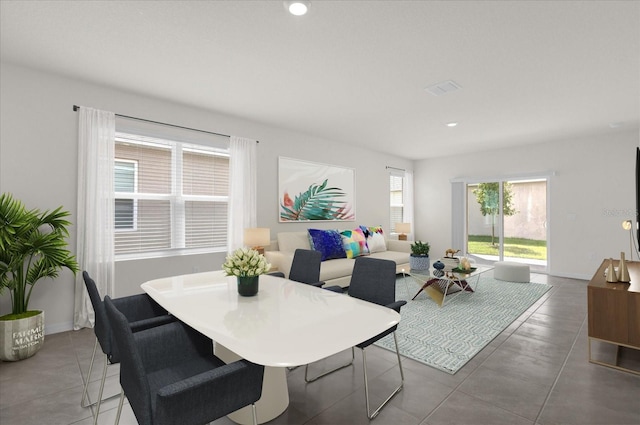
column 488, row 196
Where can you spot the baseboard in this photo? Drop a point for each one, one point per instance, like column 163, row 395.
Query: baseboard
column 57, row 327
column 571, row 275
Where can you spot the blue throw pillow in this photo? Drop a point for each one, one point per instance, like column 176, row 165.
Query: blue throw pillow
column 328, row 242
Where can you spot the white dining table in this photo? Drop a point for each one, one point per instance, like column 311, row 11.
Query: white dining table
column 286, row 324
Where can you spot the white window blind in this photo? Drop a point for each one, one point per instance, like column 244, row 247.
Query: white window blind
column 170, row 195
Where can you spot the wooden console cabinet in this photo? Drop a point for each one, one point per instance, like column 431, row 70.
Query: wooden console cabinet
column 614, row 310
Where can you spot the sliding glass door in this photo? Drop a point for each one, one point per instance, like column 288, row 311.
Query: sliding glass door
column 483, row 221
column 507, row 220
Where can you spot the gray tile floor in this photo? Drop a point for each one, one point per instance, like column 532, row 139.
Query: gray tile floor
column 535, row 372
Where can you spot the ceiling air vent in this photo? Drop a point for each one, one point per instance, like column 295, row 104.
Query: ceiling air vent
column 442, row 87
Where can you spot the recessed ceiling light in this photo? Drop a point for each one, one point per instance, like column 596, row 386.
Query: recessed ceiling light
column 297, row 7
column 452, row 124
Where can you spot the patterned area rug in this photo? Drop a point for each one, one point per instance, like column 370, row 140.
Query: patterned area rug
column 447, row 337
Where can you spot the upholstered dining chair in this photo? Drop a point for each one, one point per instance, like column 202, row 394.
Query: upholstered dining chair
column 170, row 375
column 141, row 313
column 373, row 280
column 305, row 267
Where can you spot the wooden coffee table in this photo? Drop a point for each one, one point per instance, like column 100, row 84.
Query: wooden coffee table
column 443, row 285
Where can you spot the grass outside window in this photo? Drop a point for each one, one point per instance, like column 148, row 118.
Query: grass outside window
column 513, row 247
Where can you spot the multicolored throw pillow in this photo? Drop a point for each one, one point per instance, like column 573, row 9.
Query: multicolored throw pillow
column 354, row 242
column 375, row 238
column 328, row 242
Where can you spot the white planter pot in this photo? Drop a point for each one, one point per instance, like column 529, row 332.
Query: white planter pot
column 21, row 338
column 419, row 262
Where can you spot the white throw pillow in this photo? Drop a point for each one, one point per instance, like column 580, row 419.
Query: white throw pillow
column 376, row 243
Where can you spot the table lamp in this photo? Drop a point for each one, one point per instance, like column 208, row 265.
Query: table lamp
column 403, row 229
column 257, row 238
column 626, row 225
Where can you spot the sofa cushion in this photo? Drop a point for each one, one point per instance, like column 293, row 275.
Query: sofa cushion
column 397, row 257
column 354, row 242
column 335, row 269
column 290, row 241
column 375, row 238
column 328, row 242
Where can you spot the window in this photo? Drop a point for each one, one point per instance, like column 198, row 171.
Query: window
column 170, row 196
column 396, row 203
column 126, row 175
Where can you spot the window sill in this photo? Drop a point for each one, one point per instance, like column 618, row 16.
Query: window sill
column 168, row 253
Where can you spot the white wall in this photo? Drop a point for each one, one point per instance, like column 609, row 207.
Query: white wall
column 38, row 164
column 591, row 193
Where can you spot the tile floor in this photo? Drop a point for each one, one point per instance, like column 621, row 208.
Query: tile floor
column 535, row 373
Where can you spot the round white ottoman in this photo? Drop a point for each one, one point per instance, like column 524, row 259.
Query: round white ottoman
column 511, row 271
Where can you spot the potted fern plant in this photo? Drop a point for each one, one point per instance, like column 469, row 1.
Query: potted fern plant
column 33, row 246
column 419, row 259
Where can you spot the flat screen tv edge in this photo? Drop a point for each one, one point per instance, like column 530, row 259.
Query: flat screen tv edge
column 638, row 194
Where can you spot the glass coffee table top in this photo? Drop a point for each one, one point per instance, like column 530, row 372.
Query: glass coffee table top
column 443, row 285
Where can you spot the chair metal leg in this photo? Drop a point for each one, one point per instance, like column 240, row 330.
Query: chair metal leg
column 84, row 402
column 99, row 401
column 306, row 370
column 120, row 403
column 366, row 381
column 404, row 279
column 84, row 399
column 253, row 414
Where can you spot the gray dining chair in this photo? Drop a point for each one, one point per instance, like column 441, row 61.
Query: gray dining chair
column 141, row 313
column 373, row 280
column 170, row 375
column 305, row 267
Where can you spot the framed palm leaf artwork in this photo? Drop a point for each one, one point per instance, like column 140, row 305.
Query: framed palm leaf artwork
column 310, row 191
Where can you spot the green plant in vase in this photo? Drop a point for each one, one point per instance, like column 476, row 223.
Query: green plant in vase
column 33, row 246
column 247, row 265
column 419, row 259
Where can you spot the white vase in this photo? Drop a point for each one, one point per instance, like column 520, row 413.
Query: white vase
column 623, row 271
column 611, row 275
column 21, row 338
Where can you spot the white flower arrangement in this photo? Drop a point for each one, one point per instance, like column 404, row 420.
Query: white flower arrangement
column 245, row 262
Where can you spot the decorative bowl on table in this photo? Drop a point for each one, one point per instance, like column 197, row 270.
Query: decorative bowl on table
column 461, row 270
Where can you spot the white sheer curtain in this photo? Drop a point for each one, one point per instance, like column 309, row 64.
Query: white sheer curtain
column 407, row 210
column 243, row 182
column 95, row 221
column 458, row 214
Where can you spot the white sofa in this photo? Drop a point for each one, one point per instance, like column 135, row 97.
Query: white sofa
column 336, row 271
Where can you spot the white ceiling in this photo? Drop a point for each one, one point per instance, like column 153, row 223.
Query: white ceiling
column 355, row 71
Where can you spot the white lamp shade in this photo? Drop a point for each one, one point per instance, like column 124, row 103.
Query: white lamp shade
column 257, row 236
column 403, row 228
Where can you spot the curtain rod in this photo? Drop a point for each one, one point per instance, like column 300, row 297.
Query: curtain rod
column 394, row 168
column 76, row 107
